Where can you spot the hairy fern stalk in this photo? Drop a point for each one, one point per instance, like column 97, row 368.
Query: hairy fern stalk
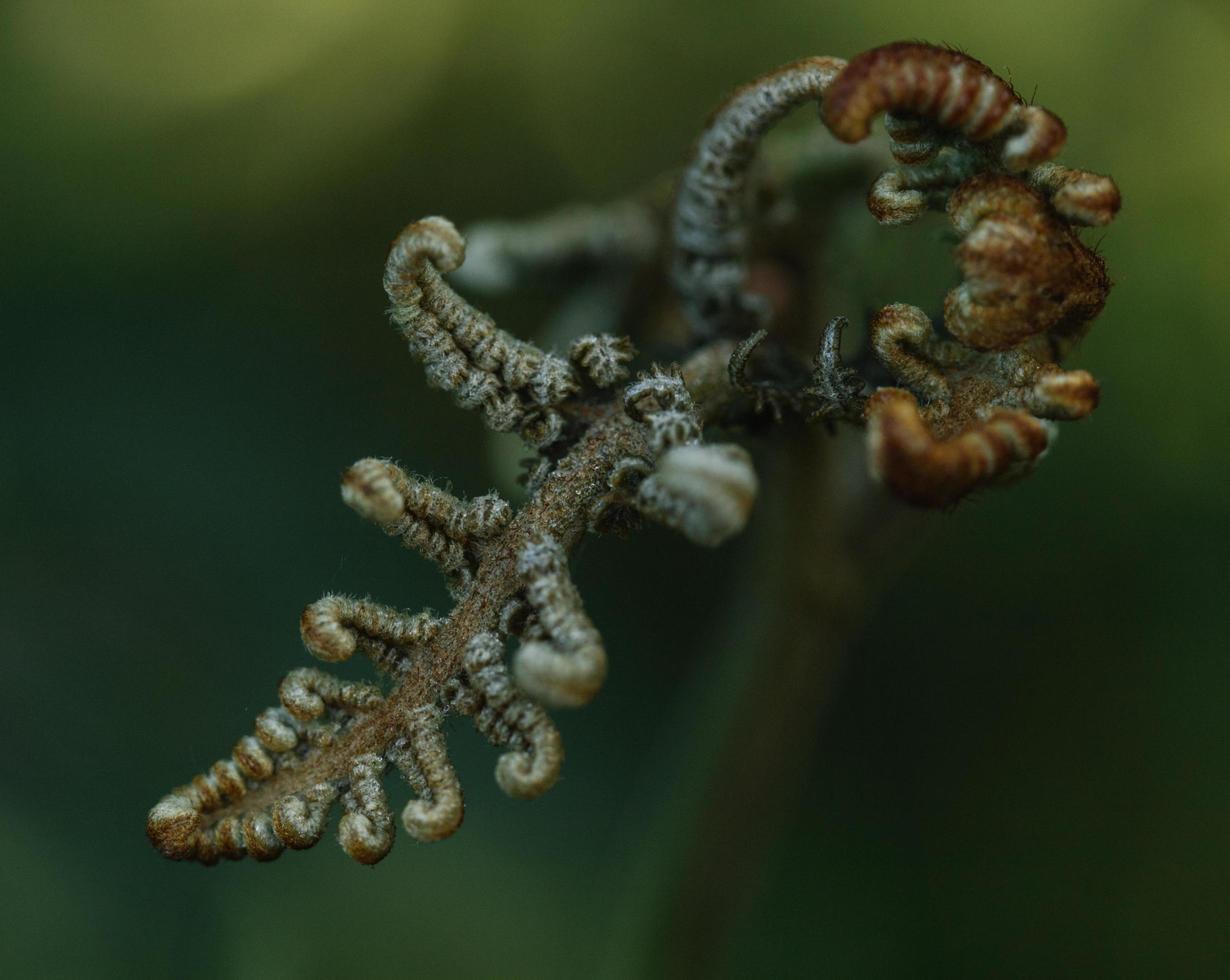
column 948, row 407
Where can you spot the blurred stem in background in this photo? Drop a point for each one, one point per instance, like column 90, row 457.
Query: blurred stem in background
column 825, row 545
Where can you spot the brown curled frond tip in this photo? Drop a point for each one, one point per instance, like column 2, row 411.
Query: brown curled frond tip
column 1030, row 288
column 963, row 418
column 948, row 118
column 942, row 89
column 931, row 472
column 1026, row 273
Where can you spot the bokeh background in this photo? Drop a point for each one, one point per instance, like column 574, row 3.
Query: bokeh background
column 1025, row 768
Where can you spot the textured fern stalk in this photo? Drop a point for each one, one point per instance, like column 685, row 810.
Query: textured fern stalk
column 949, row 406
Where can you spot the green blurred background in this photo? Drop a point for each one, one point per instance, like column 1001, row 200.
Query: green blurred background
column 1025, row 770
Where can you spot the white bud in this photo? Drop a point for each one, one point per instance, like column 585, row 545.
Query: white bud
column 704, row 492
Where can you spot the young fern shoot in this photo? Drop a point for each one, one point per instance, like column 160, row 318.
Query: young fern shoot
column 973, row 397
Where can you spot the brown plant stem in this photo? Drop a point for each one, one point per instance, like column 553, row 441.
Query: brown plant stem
column 561, row 508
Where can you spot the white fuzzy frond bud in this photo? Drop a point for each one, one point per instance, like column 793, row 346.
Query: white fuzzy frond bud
column 704, row 492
